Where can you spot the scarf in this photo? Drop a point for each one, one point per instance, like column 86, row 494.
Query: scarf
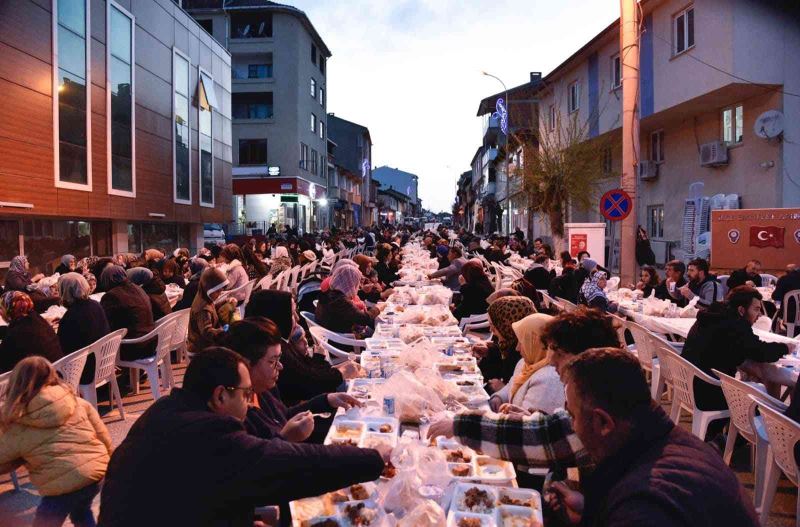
column 590, row 290
column 16, row 305
column 67, row 259
column 140, row 275
column 505, row 311
column 72, row 286
column 534, row 353
column 112, row 276
column 18, row 265
column 346, row 279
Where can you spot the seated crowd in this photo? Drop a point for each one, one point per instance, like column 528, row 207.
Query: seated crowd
column 246, row 427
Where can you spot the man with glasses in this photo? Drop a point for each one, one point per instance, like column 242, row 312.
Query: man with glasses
column 188, row 460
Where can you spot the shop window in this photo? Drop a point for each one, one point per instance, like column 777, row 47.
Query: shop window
column 46, row 241
column 9, row 245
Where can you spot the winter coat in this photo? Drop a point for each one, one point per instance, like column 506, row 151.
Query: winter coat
column 62, row 441
column 664, row 477
column 723, row 341
column 204, row 326
column 189, row 292
column 338, row 313
column 237, row 276
column 268, row 418
column 84, row 323
column 213, row 471
column 304, row 377
column 27, row 336
column 385, row 275
column 473, row 301
column 565, row 286
column 128, row 306
column 159, row 302
column 662, row 292
column 740, row 276
column 451, row 273
column 543, row 391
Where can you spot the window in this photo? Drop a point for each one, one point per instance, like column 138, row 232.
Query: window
column 573, row 103
column 252, row 105
column 304, row 156
column 322, row 96
column 733, row 124
column 322, row 61
column 321, row 129
column 259, row 71
column 70, row 106
column 552, row 119
column 252, row 151
column 683, row 30
column 313, row 88
column 182, row 161
column 313, row 53
column 251, row 25
column 657, row 146
column 608, row 161
column 655, row 221
column 313, row 162
column 120, row 114
column 206, row 101
column 616, row 71
column 208, row 25
column 313, row 123
column 46, row 240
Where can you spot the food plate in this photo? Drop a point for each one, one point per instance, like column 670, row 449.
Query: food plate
column 488, row 504
column 493, row 470
column 359, row 513
column 466, row 519
column 344, row 432
column 310, row 512
column 357, row 492
column 474, row 498
column 384, row 343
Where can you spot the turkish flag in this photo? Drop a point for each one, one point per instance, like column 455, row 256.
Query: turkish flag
column 767, row 236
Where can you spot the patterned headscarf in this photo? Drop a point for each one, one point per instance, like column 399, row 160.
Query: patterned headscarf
column 534, row 352
column 505, row 311
column 346, row 279
column 112, row 276
column 16, row 305
column 590, row 289
column 18, row 264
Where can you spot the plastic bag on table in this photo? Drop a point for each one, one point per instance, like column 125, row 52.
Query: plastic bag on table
column 402, row 494
column 443, row 388
column 690, row 311
column 426, row 514
column 763, row 323
column 413, row 400
column 421, row 355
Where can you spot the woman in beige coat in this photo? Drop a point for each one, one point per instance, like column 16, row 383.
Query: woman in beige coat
column 58, row 437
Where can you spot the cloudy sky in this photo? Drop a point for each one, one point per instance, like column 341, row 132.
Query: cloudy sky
column 410, row 70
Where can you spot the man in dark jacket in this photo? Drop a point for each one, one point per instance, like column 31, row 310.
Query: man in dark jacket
column 723, row 338
column 566, row 286
column 649, row 471
column 192, row 447
column 749, row 275
column 668, row 289
column 786, row 283
column 701, row 284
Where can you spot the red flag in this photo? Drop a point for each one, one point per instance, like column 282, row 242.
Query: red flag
column 767, row 236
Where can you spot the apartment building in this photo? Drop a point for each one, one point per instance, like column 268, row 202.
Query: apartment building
column 114, row 129
column 355, row 204
column 278, row 103
column 709, row 69
column 403, row 182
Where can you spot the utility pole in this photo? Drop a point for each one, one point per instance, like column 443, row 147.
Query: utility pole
column 629, row 53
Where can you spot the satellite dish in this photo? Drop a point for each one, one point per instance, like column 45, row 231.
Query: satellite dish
column 769, row 124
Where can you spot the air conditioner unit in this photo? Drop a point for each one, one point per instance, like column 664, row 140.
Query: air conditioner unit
column 713, row 154
column 648, row 170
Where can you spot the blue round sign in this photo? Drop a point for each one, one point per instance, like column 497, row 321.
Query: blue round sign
column 616, row 204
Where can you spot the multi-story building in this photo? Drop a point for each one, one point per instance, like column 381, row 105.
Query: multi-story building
column 402, row 181
column 114, row 129
column 353, row 163
column 395, row 207
column 465, row 200
column 278, row 102
column 709, row 69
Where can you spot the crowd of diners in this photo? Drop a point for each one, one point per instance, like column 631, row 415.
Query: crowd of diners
column 245, row 428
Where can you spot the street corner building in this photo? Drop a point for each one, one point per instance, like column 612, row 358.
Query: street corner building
column 115, row 129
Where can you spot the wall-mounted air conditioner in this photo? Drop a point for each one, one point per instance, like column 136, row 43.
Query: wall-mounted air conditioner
column 713, row 154
column 648, row 170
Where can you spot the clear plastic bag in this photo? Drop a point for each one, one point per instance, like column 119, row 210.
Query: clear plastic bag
column 426, row 514
column 413, row 399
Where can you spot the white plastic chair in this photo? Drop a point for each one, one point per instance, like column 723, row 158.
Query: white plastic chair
column 3, row 383
column 181, row 332
column 151, row 365
column 279, row 284
column 646, row 352
column 310, row 318
column 723, row 280
column 71, row 367
column 783, row 434
column 565, row 305
column 768, row 279
column 264, row 283
column 682, row 373
column 741, row 398
column 326, row 338
column 105, row 352
column 792, row 298
column 547, row 300
column 482, row 317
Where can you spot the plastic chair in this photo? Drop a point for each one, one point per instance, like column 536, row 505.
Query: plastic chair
column 326, row 338
column 105, row 352
column 646, row 352
column 151, row 365
column 723, row 280
column 181, row 331
column 473, row 319
column 783, row 434
column 3, row 383
column 768, row 279
column 792, row 298
column 566, row 305
column 264, row 283
column 310, row 318
column 683, row 373
column 547, row 300
column 71, row 367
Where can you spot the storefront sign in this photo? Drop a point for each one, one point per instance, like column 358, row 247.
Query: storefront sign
column 577, row 243
column 768, row 235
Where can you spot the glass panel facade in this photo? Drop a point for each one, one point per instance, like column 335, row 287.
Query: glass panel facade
column 162, row 236
column 46, row 241
column 72, row 94
column 182, row 145
column 120, row 76
column 206, row 158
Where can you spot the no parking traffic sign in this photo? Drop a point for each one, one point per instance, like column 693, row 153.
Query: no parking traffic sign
column 615, row 205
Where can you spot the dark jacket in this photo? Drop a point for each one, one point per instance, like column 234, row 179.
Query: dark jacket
column 84, row 322
column 128, row 306
column 498, row 365
column 189, row 292
column 566, row 286
column 539, row 277
column 27, row 336
column 267, row 420
column 473, row 301
column 723, row 341
column 213, row 471
column 337, row 313
column 155, row 290
column 664, row 477
column 62, row 269
column 740, row 276
column 662, row 292
column 786, row 283
column 385, row 275
column 16, row 281
column 204, row 326
column 304, row 377
column 177, row 279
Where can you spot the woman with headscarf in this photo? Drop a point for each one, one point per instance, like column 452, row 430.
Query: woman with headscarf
column 475, row 288
column 27, row 334
column 305, row 374
column 172, row 273
column 337, row 309
column 386, row 275
column 155, row 289
column 128, row 306
column 535, row 385
column 84, row 322
column 204, row 326
column 18, row 277
column 499, row 357
column 196, row 266
column 280, row 262
column 592, row 294
column 255, row 268
column 67, row 265
column 370, row 288
column 235, row 272
column 441, row 256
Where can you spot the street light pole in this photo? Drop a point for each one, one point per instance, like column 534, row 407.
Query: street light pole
column 629, row 53
column 508, row 154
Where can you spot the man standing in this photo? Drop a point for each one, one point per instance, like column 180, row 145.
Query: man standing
column 451, row 273
column 668, row 289
column 648, row 471
column 750, row 275
column 701, row 284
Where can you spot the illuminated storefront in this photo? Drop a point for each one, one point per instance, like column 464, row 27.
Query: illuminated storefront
column 280, row 201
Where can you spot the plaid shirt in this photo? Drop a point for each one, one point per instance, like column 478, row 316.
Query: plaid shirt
column 538, row 440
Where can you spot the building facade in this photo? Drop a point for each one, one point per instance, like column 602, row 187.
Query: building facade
column 403, row 182
column 114, row 131
column 394, row 207
column 278, row 100
column 353, row 173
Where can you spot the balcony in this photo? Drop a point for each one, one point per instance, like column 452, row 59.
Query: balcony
column 491, row 129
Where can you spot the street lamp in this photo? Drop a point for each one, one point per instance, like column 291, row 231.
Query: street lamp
column 508, row 154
